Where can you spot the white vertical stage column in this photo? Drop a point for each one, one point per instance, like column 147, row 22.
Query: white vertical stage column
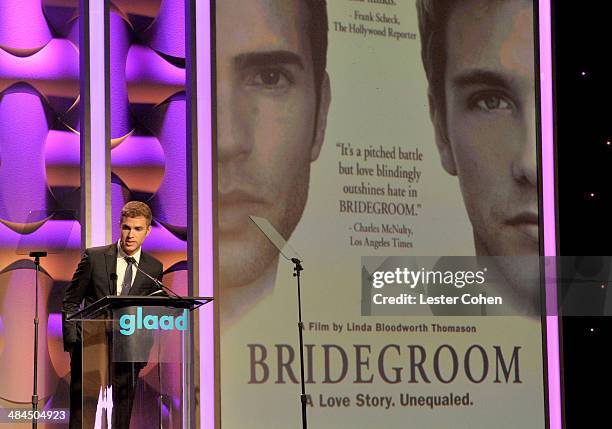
column 95, row 150
column 203, row 212
column 549, row 204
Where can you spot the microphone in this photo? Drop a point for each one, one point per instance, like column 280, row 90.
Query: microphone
column 298, row 266
column 160, row 285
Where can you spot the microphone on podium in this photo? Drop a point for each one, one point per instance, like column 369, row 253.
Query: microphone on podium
column 161, row 288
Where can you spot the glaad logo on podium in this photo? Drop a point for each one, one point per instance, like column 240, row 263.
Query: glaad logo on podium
column 152, row 322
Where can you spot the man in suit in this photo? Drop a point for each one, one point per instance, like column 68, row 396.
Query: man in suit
column 102, row 271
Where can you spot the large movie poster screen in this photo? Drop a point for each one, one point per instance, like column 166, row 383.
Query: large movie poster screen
column 391, row 142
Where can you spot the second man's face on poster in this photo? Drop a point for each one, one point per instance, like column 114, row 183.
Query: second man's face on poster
column 268, row 128
column 489, row 136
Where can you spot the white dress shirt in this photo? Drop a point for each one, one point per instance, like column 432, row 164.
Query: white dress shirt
column 122, row 266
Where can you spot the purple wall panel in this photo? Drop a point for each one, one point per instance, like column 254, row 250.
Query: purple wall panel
column 147, row 49
column 119, row 45
column 171, row 197
column 22, row 189
column 120, row 194
column 16, row 292
column 53, row 71
column 139, row 161
column 24, row 28
column 39, row 170
column 167, row 33
column 148, row 123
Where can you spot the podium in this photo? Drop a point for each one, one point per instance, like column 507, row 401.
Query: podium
column 133, row 353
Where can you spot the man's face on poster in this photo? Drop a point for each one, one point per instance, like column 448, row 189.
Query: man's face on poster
column 488, row 135
column 270, row 128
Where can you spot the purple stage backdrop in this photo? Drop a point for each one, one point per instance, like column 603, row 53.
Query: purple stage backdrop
column 148, row 156
column 39, row 190
column 144, row 75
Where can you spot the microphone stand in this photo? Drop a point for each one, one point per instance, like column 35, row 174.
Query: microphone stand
column 172, row 294
column 36, row 256
column 303, row 397
column 110, row 352
column 159, row 284
column 161, row 390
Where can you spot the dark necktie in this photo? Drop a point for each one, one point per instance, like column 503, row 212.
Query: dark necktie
column 127, row 279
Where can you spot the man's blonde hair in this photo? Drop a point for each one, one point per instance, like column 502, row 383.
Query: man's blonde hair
column 137, row 208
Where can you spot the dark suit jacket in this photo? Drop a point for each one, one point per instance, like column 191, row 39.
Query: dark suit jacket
column 92, row 281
